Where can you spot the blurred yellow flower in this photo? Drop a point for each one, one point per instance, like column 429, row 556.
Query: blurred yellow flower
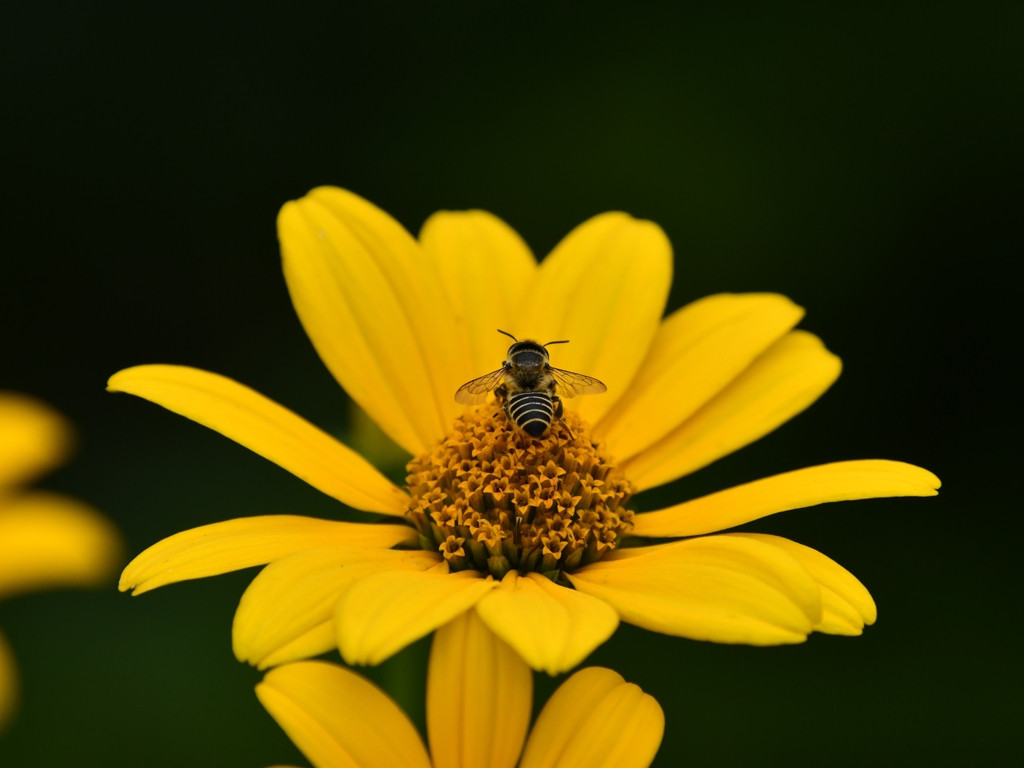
column 524, row 532
column 46, row 540
column 478, row 713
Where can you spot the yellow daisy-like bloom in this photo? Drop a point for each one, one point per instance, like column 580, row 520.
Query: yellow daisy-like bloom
column 524, row 532
column 46, row 540
column 478, row 713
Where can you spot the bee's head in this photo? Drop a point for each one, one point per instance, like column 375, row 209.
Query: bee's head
column 527, row 356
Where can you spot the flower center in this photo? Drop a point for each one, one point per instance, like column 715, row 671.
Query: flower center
column 491, row 497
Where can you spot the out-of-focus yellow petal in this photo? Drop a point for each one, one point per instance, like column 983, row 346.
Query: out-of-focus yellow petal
column 697, row 351
column 486, row 269
column 375, row 310
column 841, row 481
column 793, row 373
column 338, row 719
column 552, row 627
column 380, row 615
column 596, row 719
column 604, row 289
column 247, row 541
column 266, row 428
column 34, row 438
column 846, row 603
column 282, row 614
column 718, row 588
column 48, row 540
column 479, row 696
column 8, row 682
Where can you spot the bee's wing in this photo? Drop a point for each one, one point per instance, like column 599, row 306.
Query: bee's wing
column 569, row 384
column 475, row 392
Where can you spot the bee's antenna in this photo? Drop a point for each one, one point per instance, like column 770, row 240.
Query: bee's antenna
column 563, row 341
column 508, row 334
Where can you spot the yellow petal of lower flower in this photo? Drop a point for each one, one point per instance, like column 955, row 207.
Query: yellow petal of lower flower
column 34, row 438
column 604, row 288
column 565, row 713
column 841, row 481
column 486, row 269
column 375, row 310
column 847, row 604
column 266, row 428
column 245, row 542
column 380, row 615
column 479, row 697
column 552, row 627
column 48, row 540
column 790, row 375
column 8, row 682
column 338, row 719
column 718, row 588
column 698, row 350
column 596, row 720
column 282, row 610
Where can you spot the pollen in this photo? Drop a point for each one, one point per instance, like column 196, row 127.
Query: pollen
column 491, row 497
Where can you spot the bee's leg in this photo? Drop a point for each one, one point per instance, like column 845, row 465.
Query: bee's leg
column 559, row 410
column 501, row 398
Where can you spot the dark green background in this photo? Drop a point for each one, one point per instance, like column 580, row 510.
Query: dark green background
column 866, row 163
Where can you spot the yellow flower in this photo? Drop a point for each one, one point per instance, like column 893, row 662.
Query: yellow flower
column 523, row 531
column 478, row 712
column 46, row 540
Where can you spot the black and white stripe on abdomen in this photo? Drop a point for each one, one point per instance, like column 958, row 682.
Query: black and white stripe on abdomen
column 531, row 411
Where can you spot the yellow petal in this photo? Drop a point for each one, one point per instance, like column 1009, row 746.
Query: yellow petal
column 595, row 720
column 793, row 373
column 8, row 682
column 312, row 642
column 552, row 627
column 486, row 269
column 338, row 719
column 283, row 611
column 479, row 697
column 48, row 540
column 841, row 481
column 34, row 438
column 604, row 289
column 718, row 588
column 697, row 351
column 247, row 541
column 266, row 428
column 846, row 603
column 380, row 615
column 375, row 310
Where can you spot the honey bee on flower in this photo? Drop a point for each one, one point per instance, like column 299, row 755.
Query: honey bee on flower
column 525, row 532
column 528, row 389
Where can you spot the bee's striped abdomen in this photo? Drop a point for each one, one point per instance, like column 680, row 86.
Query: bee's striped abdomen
column 532, row 412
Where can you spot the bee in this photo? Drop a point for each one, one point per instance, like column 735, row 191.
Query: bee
column 528, row 389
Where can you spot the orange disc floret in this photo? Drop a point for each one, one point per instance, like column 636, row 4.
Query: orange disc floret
column 514, row 502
